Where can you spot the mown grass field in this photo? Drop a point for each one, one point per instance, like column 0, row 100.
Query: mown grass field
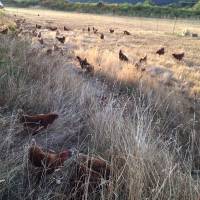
column 145, row 124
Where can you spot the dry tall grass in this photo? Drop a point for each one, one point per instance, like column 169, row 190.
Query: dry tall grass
column 150, row 145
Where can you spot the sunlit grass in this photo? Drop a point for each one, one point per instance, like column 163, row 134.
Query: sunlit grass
column 142, row 128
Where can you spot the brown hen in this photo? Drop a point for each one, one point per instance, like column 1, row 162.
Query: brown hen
column 61, row 39
column 127, row 33
column 122, row 57
column 47, row 161
column 38, row 122
column 178, row 56
column 161, row 51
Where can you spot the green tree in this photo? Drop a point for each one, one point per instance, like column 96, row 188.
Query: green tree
column 148, row 3
column 197, row 5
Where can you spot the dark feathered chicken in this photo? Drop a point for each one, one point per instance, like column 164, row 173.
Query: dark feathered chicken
column 61, row 39
column 38, row 26
column 38, row 122
column 122, row 57
column 161, row 51
column 127, row 33
column 85, row 64
column 178, row 56
column 102, row 36
column 112, row 30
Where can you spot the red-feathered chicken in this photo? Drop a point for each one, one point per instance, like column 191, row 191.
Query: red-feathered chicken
column 122, row 57
column 161, row 51
column 178, row 56
column 46, row 161
column 38, row 122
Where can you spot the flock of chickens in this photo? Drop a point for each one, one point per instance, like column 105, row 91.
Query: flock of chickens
column 48, row 161
column 122, row 57
column 88, row 168
column 83, row 62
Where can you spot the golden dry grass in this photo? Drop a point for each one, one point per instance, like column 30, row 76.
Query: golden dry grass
column 148, row 35
column 151, row 144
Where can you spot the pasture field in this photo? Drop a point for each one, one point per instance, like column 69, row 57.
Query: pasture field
column 143, row 121
column 147, row 36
